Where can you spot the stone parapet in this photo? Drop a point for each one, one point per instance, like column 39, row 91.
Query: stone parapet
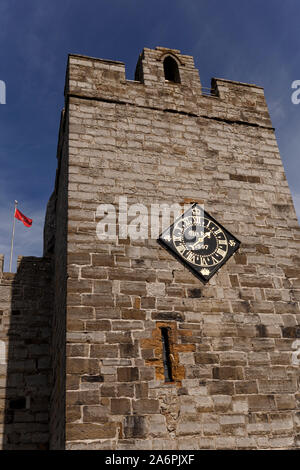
column 99, row 79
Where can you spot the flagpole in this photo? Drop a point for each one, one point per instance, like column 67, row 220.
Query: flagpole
column 12, row 238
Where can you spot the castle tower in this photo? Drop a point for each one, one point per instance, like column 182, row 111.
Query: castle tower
column 144, row 354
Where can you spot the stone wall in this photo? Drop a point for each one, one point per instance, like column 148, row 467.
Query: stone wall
column 55, row 243
column 26, row 300
column 235, row 384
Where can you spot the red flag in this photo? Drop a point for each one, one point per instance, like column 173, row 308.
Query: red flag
column 18, row 215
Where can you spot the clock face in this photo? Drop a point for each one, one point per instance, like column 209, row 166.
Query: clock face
column 200, row 242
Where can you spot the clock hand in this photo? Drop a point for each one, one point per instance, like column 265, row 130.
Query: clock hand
column 200, row 239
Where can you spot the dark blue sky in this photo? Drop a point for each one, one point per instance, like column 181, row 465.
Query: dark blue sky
column 255, row 42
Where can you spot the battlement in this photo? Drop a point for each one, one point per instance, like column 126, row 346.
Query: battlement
column 5, row 277
column 166, row 80
column 28, row 264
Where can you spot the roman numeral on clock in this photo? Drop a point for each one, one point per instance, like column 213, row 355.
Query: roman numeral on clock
column 221, row 252
column 180, row 248
column 191, row 257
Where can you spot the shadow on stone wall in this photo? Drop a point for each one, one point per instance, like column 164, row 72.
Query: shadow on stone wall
column 28, row 377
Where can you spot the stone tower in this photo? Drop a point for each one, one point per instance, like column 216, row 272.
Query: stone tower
column 232, row 342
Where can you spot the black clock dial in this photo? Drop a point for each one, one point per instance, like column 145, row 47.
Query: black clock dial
column 200, row 242
column 202, row 245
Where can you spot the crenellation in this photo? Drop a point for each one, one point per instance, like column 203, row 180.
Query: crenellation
column 185, row 96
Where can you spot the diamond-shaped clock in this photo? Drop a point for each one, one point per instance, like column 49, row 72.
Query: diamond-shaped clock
column 198, row 241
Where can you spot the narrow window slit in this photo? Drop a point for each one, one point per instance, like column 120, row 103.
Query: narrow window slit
column 166, row 355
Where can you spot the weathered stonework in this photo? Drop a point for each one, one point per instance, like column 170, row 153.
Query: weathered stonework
column 26, row 300
column 232, row 341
